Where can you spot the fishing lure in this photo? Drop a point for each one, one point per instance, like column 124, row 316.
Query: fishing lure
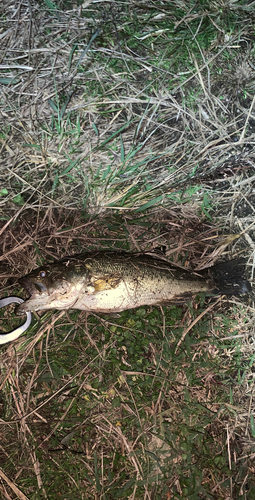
column 14, row 334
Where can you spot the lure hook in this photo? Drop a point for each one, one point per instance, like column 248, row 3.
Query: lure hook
column 14, row 334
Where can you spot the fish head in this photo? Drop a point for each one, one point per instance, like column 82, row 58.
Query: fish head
column 54, row 286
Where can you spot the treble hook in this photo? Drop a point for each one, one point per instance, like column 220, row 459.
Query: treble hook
column 14, row 334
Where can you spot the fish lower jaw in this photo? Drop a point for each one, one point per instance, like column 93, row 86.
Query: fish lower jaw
column 32, row 305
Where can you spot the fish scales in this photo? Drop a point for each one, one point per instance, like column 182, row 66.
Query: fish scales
column 112, row 282
column 125, row 284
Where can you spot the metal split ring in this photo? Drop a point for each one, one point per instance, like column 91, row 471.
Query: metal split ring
column 14, row 334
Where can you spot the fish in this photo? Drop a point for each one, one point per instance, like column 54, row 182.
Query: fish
column 111, row 282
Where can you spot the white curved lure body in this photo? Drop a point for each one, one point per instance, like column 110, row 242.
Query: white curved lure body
column 8, row 337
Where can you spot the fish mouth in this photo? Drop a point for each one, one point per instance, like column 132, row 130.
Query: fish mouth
column 32, row 287
column 36, row 290
column 60, row 296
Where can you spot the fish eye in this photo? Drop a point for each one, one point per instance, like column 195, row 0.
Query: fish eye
column 42, row 274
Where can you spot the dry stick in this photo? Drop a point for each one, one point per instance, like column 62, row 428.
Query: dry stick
column 249, row 412
column 6, row 377
column 129, row 448
column 10, row 221
column 34, row 189
column 252, row 245
column 32, row 379
column 35, row 410
column 24, row 428
column 60, row 233
column 44, row 402
column 21, row 209
column 70, row 404
column 245, row 230
column 34, row 460
column 14, row 488
column 222, row 146
column 41, row 331
column 245, row 181
column 195, row 321
column 4, row 491
column 221, row 247
column 247, row 119
column 202, row 67
column 228, row 446
column 60, row 421
column 131, row 235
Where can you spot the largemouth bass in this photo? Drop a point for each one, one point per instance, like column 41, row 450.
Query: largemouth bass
column 110, row 282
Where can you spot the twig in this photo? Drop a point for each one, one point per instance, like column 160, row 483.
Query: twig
column 195, row 321
column 14, row 488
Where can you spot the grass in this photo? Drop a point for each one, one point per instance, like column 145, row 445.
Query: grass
column 156, row 60
column 127, row 126
column 116, row 384
column 130, row 404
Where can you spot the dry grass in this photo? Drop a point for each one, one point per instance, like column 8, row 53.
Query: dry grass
column 58, row 116
column 127, row 126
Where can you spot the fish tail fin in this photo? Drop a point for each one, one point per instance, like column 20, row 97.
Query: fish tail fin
column 228, row 278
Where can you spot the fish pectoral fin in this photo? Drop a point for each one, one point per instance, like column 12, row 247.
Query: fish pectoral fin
column 106, row 283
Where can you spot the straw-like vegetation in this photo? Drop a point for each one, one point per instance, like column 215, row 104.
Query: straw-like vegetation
column 128, row 125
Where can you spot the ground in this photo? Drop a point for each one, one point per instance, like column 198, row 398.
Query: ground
column 128, row 125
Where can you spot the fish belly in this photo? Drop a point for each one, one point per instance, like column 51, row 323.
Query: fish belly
column 130, row 295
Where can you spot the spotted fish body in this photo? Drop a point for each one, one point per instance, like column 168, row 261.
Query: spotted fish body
column 111, row 282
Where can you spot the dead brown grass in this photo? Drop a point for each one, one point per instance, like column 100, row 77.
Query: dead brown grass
column 61, row 232
column 208, row 134
column 69, row 119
